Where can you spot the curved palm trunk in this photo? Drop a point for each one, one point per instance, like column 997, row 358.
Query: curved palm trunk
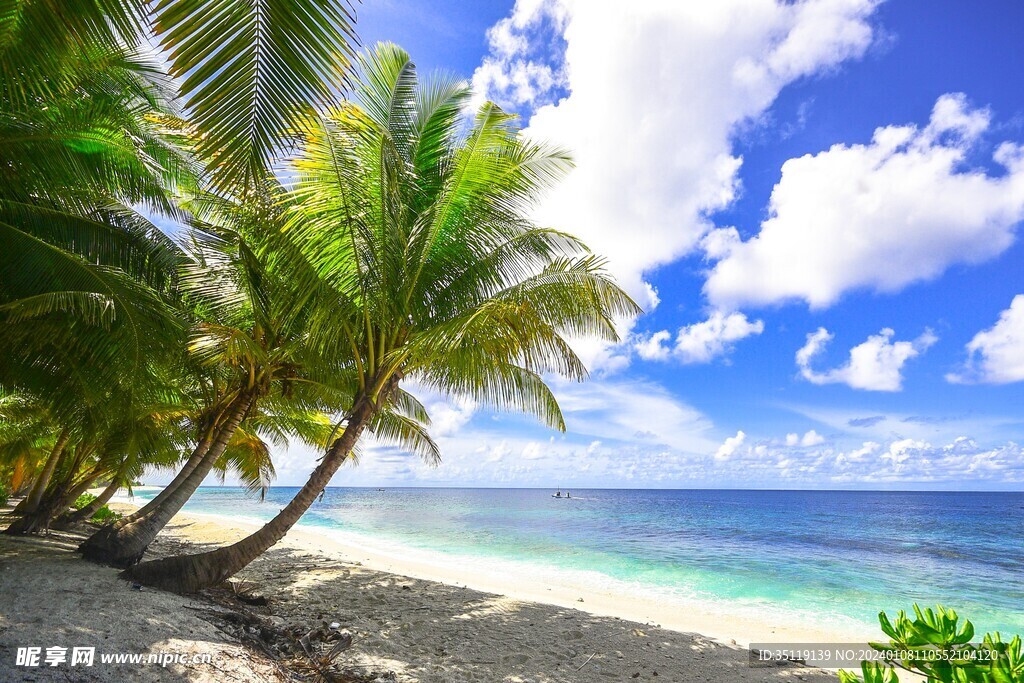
column 191, row 573
column 69, row 519
column 53, row 503
column 123, row 545
column 194, row 460
column 31, row 502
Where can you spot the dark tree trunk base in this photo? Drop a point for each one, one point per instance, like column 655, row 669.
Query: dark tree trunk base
column 123, row 543
column 182, row 573
column 65, row 522
column 26, row 524
column 36, row 522
column 106, row 546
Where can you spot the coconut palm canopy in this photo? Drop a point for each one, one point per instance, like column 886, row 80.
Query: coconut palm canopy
column 107, row 108
column 339, row 238
column 409, row 239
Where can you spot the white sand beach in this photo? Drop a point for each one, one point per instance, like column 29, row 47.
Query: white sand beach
column 412, row 619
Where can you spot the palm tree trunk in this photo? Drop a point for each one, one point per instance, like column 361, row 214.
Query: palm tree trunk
column 53, row 503
column 191, row 573
column 200, row 451
column 123, row 545
column 69, row 519
column 32, row 500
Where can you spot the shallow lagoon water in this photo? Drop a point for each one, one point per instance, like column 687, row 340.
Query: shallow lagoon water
column 842, row 555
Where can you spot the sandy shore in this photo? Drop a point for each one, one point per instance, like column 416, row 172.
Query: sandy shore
column 51, row 598
column 513, row 628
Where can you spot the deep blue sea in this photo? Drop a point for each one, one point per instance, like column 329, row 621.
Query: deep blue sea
column 834, row 554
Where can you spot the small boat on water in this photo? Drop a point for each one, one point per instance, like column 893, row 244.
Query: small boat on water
column 559, row 494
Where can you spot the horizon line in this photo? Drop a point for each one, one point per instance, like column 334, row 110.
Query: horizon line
column 605, row 488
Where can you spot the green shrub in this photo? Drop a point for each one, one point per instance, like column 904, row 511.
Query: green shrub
column 934, row 644
column 83, row 500
column 102, row 516
column 3, row 494
column 105, row 514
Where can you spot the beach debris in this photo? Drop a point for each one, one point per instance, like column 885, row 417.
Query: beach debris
column 308, row 654
column 579, row 599
column 246, row 591
column 255, row 600
column 586, row 662
column 136, row 586
column 638, row 633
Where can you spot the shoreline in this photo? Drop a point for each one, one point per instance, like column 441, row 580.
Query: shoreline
column 590, row 592
column 399, row 628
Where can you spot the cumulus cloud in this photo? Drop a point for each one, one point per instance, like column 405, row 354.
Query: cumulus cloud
column 521, row 68
column 893, row 462
column 700, row 342
column 448, row 417
column 729, row 446
column 874, row 365
column 811, row 438
column 881, row 216
column 996, row 355
column 649, row 96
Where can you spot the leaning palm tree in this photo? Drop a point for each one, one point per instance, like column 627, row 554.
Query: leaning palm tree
column 421, row 263
column 88, row 133
column 248, row 336
column 106, row 441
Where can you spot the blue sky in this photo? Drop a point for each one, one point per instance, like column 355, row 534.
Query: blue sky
column 827, row 306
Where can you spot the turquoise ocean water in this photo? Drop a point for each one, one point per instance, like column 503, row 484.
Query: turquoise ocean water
column 836, row 555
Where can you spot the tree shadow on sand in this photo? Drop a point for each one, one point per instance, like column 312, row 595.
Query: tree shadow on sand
column 51, row 597
column 438, row 633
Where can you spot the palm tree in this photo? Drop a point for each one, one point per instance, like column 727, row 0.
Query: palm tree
column 101, row 444
column 89, row 132
column 30, row 445
column 420, row 262
column 248, row 336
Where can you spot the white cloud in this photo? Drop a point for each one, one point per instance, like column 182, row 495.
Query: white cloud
column 868, row 424
column 654, row 347
column 649, row 98
column 448, row 417
column 874, row 365
column 894, row 462
column 720, row 242
column 867, row 449
column 901, row 451
column 532, row 451
column 996, row 355
column 700, row 342
column 729, row 446
column 519, row 70
column 633, row 412
column 899, row 210
column 812, row 438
